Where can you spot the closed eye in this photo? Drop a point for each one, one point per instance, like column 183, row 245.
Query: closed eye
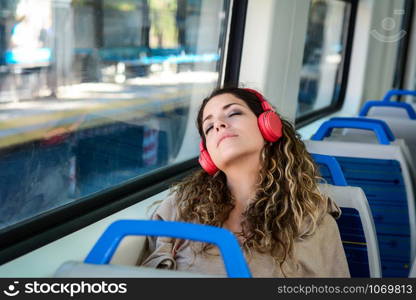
column 208, row 129
column 234, row 113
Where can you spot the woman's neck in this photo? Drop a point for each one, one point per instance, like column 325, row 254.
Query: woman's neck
column 242, row 182
column 242, row 186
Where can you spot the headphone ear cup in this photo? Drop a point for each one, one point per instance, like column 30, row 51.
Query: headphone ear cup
column 205, row 161
column 270, row 126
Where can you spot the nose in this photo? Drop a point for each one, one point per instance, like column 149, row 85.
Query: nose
column 220, row 124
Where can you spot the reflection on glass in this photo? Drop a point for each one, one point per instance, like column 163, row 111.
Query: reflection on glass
column 96, row 92
column 324, row 45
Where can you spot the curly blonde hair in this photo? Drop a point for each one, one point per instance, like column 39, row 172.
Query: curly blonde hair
column 287, row 205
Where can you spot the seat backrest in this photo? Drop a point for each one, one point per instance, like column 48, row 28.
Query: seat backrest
column 96, row 264
column 233, row 258
column 357, row 230
column 381, row 111
column 381, row 171
column 73, row 269
column 398, row 92
column 387, row 107
column 327, row 162
column 405, row 129
column 402, row 140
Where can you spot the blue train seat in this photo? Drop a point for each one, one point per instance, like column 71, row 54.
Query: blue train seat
column 376, row 108
column 105, row 247
column 401, row 131
column 400, row 117
column 383, row 174
column 388, row 108
column 356, row 224
column 392, row 93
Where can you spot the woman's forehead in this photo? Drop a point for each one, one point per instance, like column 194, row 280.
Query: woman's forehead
column 218, row 102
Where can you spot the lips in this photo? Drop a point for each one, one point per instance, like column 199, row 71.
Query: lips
column 224, row 137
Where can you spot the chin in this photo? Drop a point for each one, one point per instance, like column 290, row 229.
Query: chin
column 235, row 155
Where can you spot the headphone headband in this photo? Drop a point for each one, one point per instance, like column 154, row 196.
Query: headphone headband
column 264, row 104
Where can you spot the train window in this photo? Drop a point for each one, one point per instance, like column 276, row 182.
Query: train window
column 324, row 55
column 96, row 92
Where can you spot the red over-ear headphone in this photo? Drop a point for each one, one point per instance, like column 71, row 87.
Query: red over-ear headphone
column 269, row 124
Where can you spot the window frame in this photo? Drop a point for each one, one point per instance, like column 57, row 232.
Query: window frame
column 403, row 51
column 344, row 68
column 33, row 233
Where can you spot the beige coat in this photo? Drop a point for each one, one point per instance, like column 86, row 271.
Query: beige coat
column 321, row 255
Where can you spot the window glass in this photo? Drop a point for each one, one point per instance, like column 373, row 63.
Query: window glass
column 96, row 92
column 320, row 79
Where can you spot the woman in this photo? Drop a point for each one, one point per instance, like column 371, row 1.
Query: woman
column 259, row 182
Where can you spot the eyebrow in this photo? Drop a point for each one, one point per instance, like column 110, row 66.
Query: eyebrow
column 223, row 108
